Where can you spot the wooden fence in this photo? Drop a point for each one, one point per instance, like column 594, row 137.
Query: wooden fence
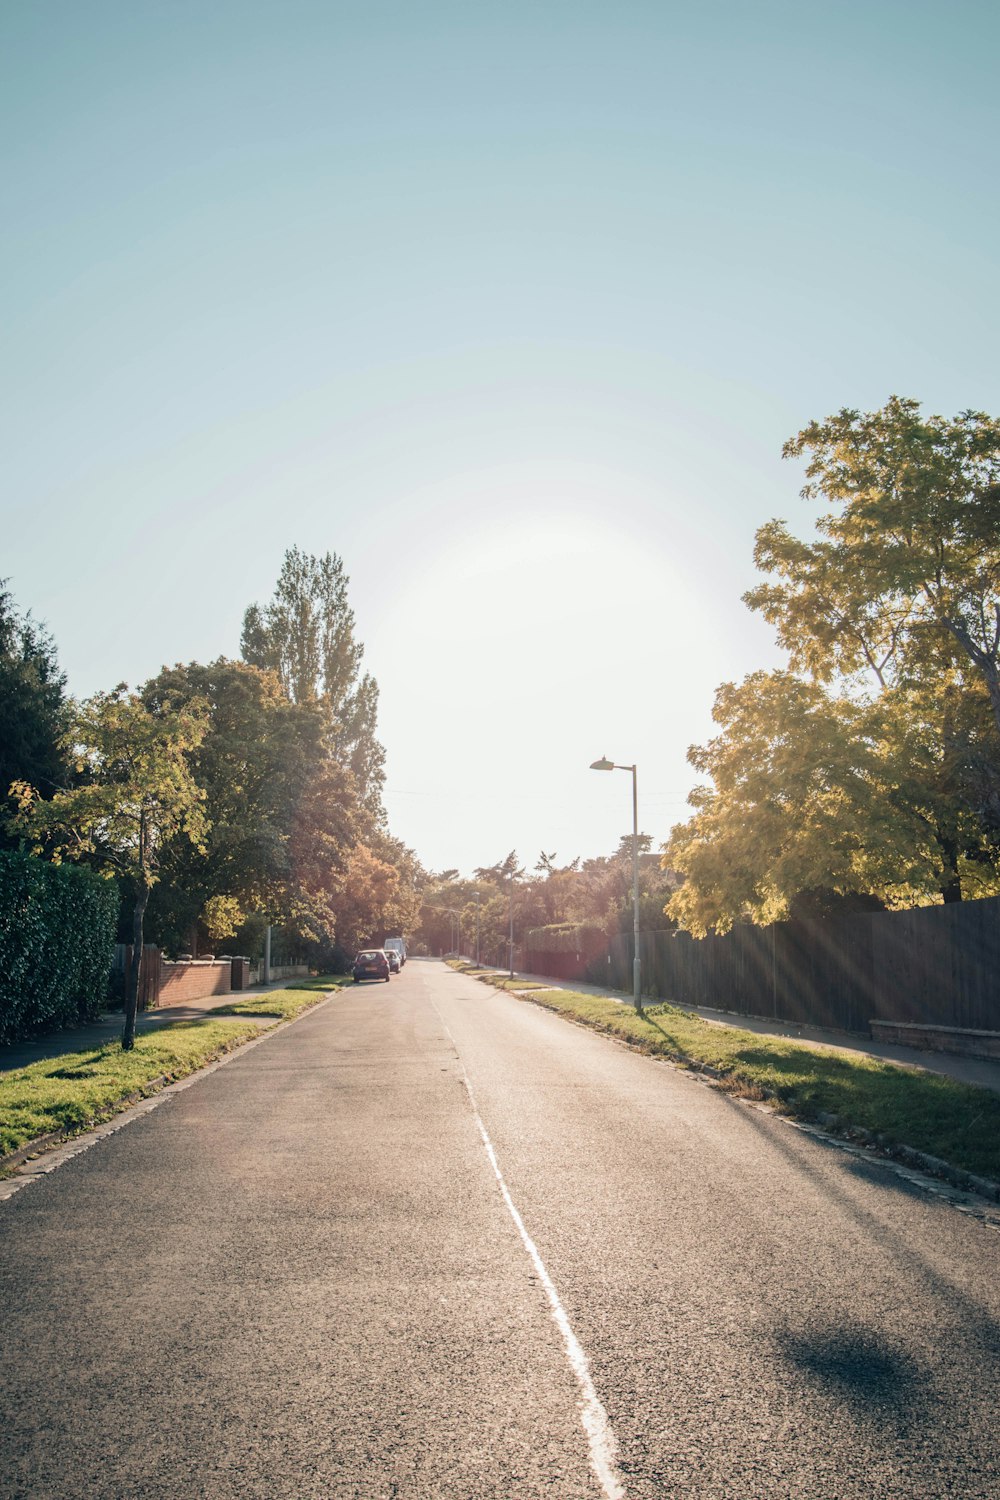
column 933, row 965
column 149, row 972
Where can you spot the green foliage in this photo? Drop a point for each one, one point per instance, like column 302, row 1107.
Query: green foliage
column 567, row 937
column 593, row 893
column 33, row 708
column 805, row 790
column 306, row 636
column 222, row 916
column 57, row 932
column 134, row 790
column 134, row 793
column 908, row 560
column 282, row 812
column 872, row 767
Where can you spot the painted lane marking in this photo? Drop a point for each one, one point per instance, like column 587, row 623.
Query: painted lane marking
column 600, row 1437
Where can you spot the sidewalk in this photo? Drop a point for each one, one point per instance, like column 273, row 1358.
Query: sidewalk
column 981, row 1071
column 108, row 1026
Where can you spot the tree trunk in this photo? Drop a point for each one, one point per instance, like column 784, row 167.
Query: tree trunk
column 132, row 988
column 951, row 885
column 993, row 688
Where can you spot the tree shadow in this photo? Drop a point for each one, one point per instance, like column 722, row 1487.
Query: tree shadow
column 857, row 1366
column 880, row 1175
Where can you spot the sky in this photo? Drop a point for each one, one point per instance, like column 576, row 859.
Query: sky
column 512, row 307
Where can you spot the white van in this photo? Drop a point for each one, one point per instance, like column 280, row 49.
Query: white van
column 398, row 945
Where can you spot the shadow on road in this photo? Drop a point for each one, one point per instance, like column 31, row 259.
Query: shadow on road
column 855, row 1363
column 856, row 1366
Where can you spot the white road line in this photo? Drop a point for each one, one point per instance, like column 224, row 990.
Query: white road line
column 600, row 1437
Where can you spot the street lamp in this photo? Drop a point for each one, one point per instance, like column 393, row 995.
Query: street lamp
column 608, row 765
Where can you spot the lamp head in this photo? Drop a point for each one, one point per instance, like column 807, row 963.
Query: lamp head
column 602, row 765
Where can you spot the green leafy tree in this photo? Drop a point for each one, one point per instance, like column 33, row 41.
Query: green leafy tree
column 872, row 768
column 34, row 712
column 905, row 574
column 135, row 793
column 283, row 813
column 306, row 636
column 807, row 791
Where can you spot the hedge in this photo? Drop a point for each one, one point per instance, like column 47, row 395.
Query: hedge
column 57, row 934
column 567, row 937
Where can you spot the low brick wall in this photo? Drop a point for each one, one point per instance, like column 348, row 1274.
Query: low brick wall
column 965, row 1043
column 181, row 982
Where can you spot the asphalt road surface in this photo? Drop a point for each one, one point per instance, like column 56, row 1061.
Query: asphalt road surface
column 435, row 1241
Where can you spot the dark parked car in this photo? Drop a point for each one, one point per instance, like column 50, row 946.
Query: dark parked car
column 372, row 963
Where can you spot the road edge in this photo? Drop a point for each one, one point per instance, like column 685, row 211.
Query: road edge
column 38, row 1157
column 980, row 1194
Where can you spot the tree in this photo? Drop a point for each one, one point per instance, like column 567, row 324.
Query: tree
column 33, row 709
column 809, row 791
column 906, row 575
column 135, row 793
column 282, row 812
column 306, row 636
column 872, row 768
column 368, row 891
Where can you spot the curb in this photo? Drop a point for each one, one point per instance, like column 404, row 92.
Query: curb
column 43, row 1148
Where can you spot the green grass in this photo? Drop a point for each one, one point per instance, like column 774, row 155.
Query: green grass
column 76, row 1090
column 956, row 1122
column 287, row 1003
column 498, row 978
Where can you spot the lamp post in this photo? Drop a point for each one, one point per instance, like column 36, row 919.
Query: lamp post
column 510, row 908
column 608, row 765
column 477, row 929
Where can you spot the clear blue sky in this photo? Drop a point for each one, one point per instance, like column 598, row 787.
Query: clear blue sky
column 510, row 305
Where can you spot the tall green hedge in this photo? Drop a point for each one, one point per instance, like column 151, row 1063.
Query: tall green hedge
column 57, row 934
column 567, row 937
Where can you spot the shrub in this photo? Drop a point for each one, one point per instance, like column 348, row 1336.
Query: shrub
column 57, row 933
column 567, row 937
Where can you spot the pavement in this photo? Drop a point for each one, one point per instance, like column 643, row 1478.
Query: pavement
column 108, row 1026
column 981, row 1071
column 432, row 1243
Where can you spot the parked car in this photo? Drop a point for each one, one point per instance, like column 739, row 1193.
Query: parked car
column 371, row 963
column 395, row 962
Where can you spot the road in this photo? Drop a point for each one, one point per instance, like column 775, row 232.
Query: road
column 433, row 1241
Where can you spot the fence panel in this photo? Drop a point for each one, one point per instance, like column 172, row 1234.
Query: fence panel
column 149, row 972
column 935, row 965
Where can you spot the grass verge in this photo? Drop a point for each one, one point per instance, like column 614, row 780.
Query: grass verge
column 897, row 1106
column 285, row 1004
column 70, row 1093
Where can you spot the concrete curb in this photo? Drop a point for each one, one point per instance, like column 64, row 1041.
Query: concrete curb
column 42, row 1155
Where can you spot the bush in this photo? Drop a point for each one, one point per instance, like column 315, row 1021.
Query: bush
column 567, row 937
column 57, row 933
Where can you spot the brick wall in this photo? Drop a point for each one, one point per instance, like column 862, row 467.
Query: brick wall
column 182, row 982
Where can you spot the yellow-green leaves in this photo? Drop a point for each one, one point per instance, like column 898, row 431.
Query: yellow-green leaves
column 135, row 789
